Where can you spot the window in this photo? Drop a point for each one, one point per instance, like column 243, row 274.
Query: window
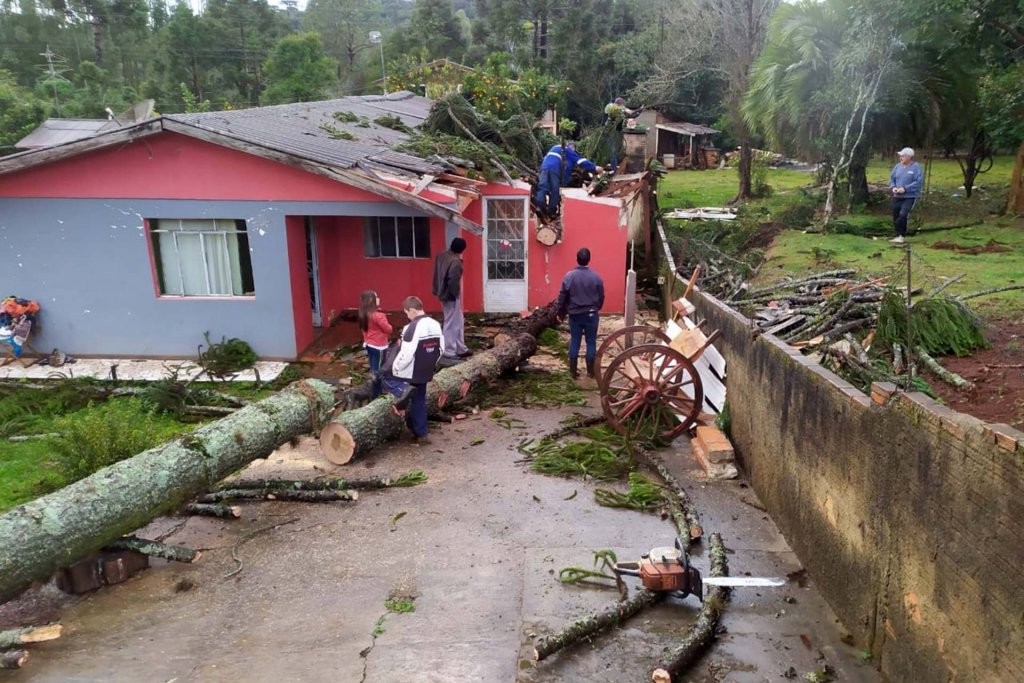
column 397, row 237
column 200, row 257
column 506, row 243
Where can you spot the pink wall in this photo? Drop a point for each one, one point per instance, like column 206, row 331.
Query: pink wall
column 173, row 166
column 345, row 272
column 302, row 308
column 585, row 224
column 472, row 262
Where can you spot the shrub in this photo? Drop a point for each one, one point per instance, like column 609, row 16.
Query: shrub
column 797, row 211
column 101, row 435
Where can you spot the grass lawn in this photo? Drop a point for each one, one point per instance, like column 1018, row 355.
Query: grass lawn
column 795, row 252
column 29, row 469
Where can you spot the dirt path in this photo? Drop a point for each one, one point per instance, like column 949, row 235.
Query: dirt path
column 477, row 549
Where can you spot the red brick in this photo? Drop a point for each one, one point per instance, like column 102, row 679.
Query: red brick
column 81, row 577
column 881, row 392
column 1006, row 436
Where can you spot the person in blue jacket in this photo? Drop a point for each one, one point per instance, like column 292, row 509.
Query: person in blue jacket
column 905, row 185
column 553, row 176
column 580, row 299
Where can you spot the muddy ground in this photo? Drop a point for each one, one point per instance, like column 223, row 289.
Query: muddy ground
column 997, row 373
column 297, row 592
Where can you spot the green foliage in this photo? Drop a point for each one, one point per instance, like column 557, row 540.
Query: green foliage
column 20, row 112
column 226, row 356
column 393, row 122
column 604, row 568
column 500, row 90
column 643, row 494
column 399, row 605
column 29, row 411
column 602, row 454
column 1002, row 104
column 298, row 70
column 413, row 478
column 104, row 434
column 534, row 389
column 940, row 325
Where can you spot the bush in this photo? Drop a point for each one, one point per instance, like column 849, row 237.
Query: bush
column 104, row 434
column 797, row 212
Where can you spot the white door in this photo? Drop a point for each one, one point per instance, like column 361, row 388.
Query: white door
column 505, row 255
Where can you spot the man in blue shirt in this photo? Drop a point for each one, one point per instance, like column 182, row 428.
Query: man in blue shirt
column 553, row 176
column 905, row 186
column 581, row 297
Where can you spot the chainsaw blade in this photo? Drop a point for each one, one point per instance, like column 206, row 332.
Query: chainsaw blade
column 743, row 581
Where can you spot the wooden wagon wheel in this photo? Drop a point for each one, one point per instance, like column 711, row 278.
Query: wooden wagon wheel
column 622, row 339
column 652, row 392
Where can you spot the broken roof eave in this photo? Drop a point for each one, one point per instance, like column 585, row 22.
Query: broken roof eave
column 38, row 157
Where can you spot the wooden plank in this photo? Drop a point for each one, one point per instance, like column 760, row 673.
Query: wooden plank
column 711, row 354
column 18, row 162
column 423, row 183
column 786, row 324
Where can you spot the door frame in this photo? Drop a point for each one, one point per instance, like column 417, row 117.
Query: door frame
column 526, row 246
column 313, row 269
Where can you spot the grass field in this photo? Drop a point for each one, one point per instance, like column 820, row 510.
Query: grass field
column 796, row 251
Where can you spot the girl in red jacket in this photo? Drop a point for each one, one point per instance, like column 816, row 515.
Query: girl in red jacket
column 375, row 327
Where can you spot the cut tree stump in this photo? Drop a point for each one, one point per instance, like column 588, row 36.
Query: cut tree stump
column 67, row 525
column 174, row 553
column 355, row 432
column 14, row 659
column 30, row 634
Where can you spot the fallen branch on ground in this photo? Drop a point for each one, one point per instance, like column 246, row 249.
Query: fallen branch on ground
column 248, row 537
column 213, row 510
column 679, row 658
column 13, row 659
column 174, row 553
column 684, row 514
column 942, row 373
column 29, row 634
column 583, row 629
column 326, row 484
column 328, row 496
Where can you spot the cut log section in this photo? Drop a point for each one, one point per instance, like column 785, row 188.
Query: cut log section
column 30, row 634
column 14, row 659
column 174, row 553
column 280, row 494
column 67, row 525
column 355, row 432
column 588, row 626
column 214, row 510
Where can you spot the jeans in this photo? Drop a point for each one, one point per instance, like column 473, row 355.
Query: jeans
column 416, row 410
column 548, row 188
column 581, row 324
column 375, row 356
column 901, row 207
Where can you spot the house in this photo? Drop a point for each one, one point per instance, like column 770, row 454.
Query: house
column 676, row 143
column 265, row 224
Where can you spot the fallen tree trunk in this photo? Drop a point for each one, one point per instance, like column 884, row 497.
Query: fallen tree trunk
column 213, row 510
column 684, row 515
column 30, row 634
column 15, row 659
column 355, row 432
column 174, row 553
column 280, row 494
column 679, row 659
column 588, row 626
column 63, row 527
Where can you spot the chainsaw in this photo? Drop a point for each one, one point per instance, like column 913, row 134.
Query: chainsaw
column 669, row 570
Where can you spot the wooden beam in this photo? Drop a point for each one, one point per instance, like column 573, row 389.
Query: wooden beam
column 24, row 160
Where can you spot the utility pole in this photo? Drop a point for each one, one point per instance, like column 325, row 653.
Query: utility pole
column 53, row 72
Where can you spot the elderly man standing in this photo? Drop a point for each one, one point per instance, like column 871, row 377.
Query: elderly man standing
column 581, row 297
column 447, row 287
column 905, row 184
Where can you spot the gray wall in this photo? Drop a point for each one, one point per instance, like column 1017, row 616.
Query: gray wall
column 87, row 263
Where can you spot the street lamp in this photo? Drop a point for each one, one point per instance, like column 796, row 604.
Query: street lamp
column 377, row 39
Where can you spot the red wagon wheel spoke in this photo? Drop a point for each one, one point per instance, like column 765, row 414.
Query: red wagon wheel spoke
column 621, row 340
column 645, row 392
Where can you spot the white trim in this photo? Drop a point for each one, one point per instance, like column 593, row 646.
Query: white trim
column 526, row 253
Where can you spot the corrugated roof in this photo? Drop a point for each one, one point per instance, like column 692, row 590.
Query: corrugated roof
column 58, row 131
column 690, row 129
column 311, row 129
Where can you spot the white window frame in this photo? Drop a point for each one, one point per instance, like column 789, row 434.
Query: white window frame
column 374, row 229
column 219, row 227
column 525, row 227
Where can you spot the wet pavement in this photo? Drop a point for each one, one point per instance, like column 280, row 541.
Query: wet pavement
column 477, row 549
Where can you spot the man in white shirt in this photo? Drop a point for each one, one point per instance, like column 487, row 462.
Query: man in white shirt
column 413, row 366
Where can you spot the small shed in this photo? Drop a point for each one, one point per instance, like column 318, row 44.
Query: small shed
column 679, row 144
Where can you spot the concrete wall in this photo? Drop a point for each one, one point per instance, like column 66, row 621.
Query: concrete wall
column 909, row 516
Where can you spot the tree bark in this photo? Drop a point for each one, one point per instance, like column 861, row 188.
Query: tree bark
column 15, row 659
column 30, row 634
column 1015, row 203
column 588, row 626
column 857, row 176
column 355, row 432
column 685, row 515
column 328, row 484
column 275, row 494
column 63, row 527
column 745, row 170
column 174, row 553
column 676, row 661
column 213, row 510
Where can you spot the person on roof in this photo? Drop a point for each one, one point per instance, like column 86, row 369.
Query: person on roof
column 554, row 174
column 615, row 114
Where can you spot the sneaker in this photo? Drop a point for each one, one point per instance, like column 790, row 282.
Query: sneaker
column 422, row 440
column 898, row 239
column 465, row 354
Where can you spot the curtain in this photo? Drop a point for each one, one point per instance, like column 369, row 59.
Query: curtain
column 200, row 258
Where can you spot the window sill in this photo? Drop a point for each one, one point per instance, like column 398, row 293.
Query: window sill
column 175, row 297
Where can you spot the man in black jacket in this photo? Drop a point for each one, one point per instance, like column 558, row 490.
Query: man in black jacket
column 581, row 297
column 447, row 286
